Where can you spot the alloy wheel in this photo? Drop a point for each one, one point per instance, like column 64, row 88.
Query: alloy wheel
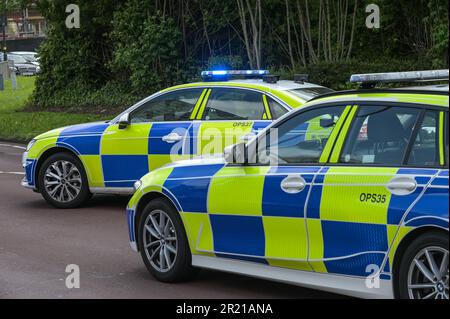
column 428, row 274
column 160, row 241
column 62, row 181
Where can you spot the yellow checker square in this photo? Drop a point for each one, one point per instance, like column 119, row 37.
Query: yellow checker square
column 342, row 191
column 280, row 232
column 316, row 248
column 215, row 136
column 158, row 161
column 199, row 232
column 94, row 171
column 237, row 191
column 395, row 236
column 132, row 141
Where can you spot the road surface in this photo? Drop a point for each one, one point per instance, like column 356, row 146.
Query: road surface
column 37, row 242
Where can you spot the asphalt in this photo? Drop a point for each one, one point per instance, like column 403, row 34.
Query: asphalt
column 37, row 242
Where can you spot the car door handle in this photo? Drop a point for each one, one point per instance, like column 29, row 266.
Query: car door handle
column 293, row 184
column 402, row 185
column 172, row 138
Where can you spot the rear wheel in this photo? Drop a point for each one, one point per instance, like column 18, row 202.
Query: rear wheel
column 62, row 181
column 424, row 268
column 163, row 243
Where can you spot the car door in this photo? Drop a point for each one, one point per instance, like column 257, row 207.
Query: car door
column 160, row 132
column 230, row 115
column 359, row 199
column 263, row 218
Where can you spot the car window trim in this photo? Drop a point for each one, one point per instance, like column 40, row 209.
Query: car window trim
column 157, row 94
column 201, row 116
column 421, row 107
column 295, row 112
column 161, row 95
column 200, row 104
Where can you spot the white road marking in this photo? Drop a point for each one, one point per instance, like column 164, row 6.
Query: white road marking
column 12, row 173
column 14, row 146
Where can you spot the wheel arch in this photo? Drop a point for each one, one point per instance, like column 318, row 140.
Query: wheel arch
column 140, row 206
column 403, row 245
column 50, row 152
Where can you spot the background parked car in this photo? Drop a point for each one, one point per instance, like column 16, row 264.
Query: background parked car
column 30, row 56
column 22, row 66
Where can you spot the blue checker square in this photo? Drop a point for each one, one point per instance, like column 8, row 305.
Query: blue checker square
column 314, row 202
column 356, row 265
column 157, row 146
column 345, row 239
column 242, row 235
column 84, row 145
column 192, row 194
column 276, row 202
column 124, row 168
column 399, row 205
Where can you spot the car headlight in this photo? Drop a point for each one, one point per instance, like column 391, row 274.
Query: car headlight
column 137, row 185
column 30, row 145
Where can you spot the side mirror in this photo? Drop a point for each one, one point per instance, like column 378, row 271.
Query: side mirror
column 124, row 121
column 235, row 154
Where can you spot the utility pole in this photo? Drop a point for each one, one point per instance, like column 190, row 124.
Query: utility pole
column 4, row 22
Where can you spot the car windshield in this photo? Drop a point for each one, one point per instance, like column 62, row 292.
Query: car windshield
column 17, row 59
column 29, row 57
column 311, row 92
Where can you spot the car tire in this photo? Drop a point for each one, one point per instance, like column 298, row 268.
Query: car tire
column 62, row 181
column 165, row 248
column 430, row 248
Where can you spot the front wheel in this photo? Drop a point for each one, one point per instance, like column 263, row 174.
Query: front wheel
column 62, row 181
column 163, row 243
column 424, row 268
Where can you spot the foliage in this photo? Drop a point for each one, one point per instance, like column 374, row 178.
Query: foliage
column 126, row 50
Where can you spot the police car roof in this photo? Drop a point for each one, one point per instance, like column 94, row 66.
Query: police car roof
column 428, row 95
column 282, row 85
column 431, row 88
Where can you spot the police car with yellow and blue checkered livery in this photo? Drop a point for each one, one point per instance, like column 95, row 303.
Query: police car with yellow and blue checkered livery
column 68, row 165
column 358, row 206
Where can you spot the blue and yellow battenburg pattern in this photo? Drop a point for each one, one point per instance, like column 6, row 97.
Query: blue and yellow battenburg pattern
column 115, row 158
column 242, row 213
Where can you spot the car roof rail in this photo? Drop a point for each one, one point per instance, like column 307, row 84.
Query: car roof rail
column 370, row 80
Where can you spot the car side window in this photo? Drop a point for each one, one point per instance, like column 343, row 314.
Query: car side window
column 379, row 136
column 276, row 108
column 302, row 138
column 234, row 105
column 425, row 150
column 172, row 106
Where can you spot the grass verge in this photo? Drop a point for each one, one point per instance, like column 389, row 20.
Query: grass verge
column 17, row 125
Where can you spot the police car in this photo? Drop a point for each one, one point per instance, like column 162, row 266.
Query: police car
column 348, row 194
column 69, row 164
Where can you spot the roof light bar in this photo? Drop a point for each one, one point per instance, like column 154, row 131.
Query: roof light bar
column 397, row 77
column 227, row 74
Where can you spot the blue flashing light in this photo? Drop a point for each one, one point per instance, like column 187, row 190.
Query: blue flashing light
column 227, row 74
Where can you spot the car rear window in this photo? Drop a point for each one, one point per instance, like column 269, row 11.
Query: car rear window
column 309, row 93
